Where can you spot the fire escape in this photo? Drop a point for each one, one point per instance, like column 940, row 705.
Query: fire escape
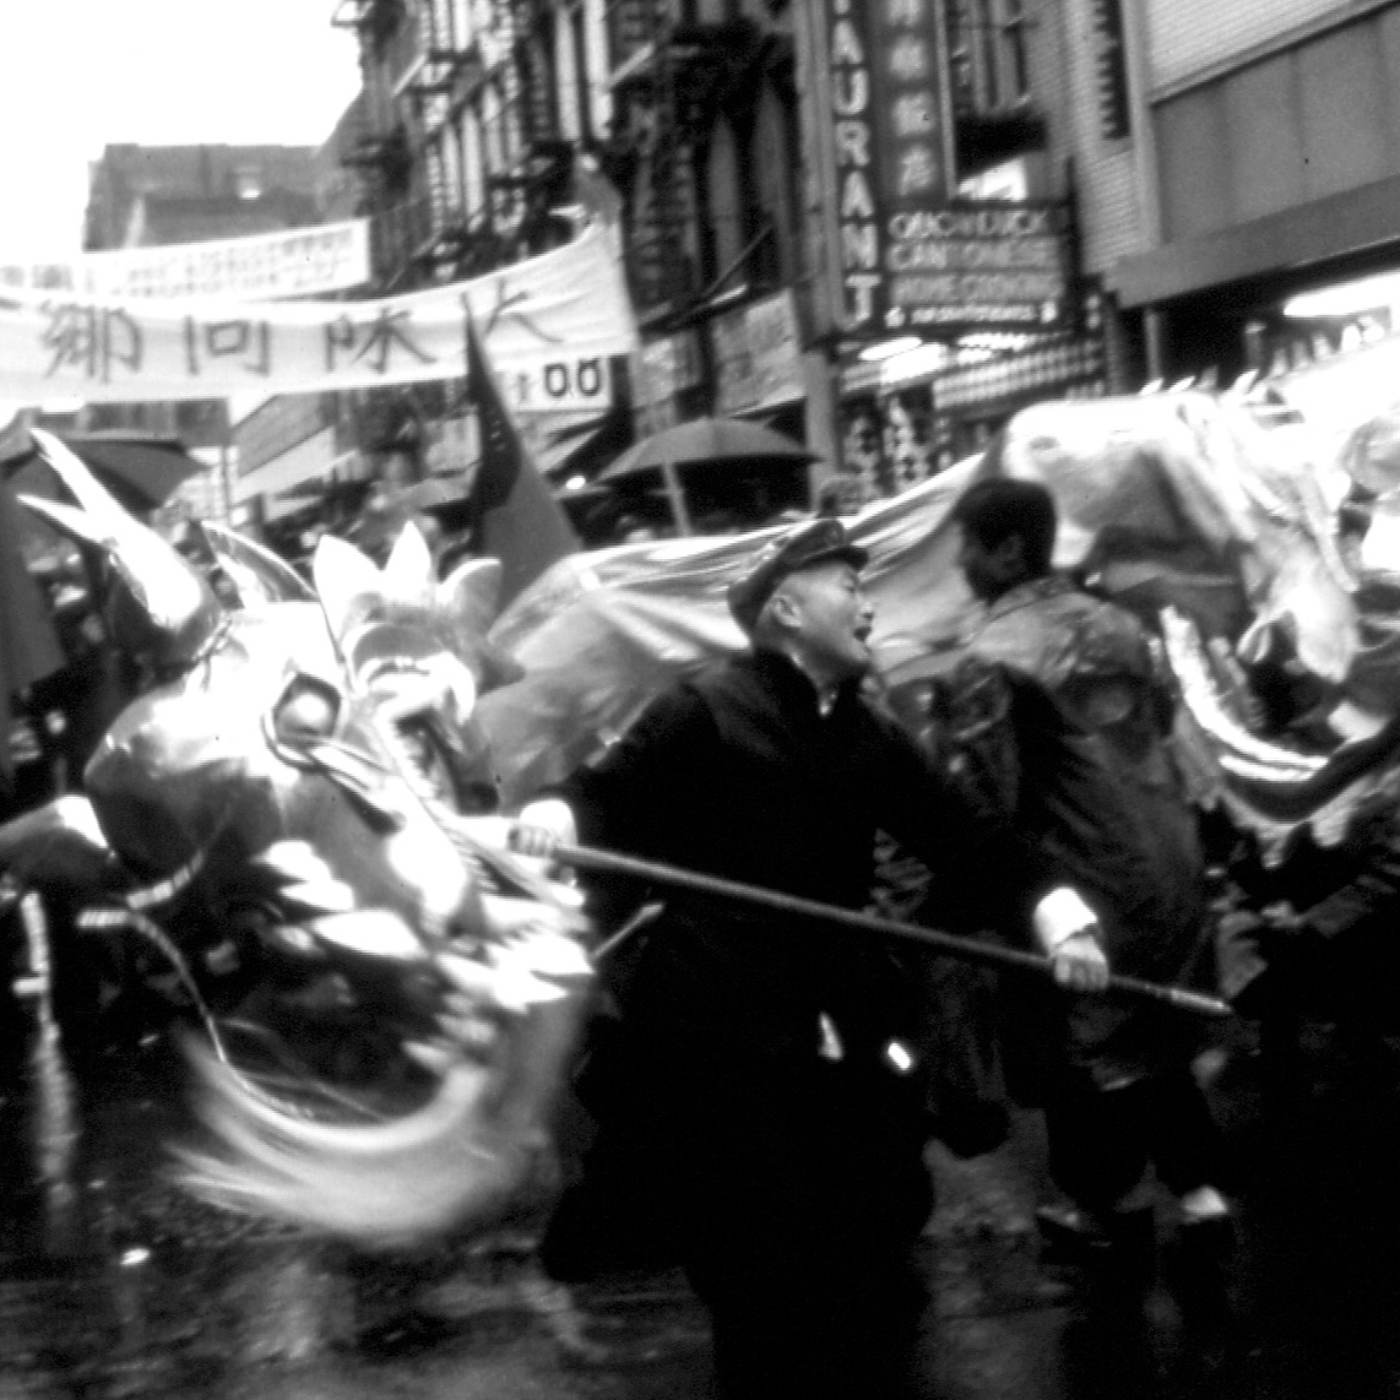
column 539, row 162
column 670, row 82
column 995, row 117
column 434, row 89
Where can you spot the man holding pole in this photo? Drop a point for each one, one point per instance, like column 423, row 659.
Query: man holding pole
column 761, row 1067
column 1084, row 769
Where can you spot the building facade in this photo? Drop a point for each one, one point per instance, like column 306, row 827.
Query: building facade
column 721, row 140
column 1272, row 168
column 1026, row 200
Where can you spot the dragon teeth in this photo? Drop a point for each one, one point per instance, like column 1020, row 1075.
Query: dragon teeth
column 330, row 894
column 296, row 861
column 375, row 933
column 434, row 1057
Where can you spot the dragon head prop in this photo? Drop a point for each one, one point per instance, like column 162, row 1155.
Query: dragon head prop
column 301, row 786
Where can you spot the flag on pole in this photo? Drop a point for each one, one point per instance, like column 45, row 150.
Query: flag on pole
column 515, row 517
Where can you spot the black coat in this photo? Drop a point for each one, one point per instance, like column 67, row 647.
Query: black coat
column 736, row 773
column 751, row 1118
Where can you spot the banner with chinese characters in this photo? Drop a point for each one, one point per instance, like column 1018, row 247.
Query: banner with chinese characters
column 549, row 324
column 291, row 263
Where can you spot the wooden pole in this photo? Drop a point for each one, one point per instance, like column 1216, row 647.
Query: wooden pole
column 672, row 477
column 611, row 863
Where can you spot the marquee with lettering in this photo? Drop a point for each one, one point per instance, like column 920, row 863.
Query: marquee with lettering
column 908, row 255
column 549, row 323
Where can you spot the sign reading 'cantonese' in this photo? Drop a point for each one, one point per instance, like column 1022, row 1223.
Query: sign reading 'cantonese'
column 907, row 256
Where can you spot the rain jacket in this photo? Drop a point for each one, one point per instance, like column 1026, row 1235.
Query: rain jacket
column 1086, row 769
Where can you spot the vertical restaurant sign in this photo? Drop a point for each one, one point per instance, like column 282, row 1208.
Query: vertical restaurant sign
column 853, row 146
column 889, row 138
column 910, row 256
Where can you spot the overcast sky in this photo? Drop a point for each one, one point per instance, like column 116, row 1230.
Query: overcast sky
column 80, row 74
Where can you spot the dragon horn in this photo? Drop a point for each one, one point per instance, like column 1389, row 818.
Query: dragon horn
column 159, row 609
column 259, row 575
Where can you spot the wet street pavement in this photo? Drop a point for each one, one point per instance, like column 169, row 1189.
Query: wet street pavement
column 113, row 1284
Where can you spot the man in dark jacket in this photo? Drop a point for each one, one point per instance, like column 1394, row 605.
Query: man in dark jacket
column 762, row 1068
column 1087, row 771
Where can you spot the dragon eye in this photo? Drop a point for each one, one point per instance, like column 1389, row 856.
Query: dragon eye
column 308, row 709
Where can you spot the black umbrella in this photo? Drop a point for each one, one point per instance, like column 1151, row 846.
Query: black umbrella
column 704, row 440
column 141, row 470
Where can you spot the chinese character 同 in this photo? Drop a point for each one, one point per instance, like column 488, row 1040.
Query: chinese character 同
column 215, row 340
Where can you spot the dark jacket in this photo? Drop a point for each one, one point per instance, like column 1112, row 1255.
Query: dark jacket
column 749, row 1118
column 1094, row 782
column 736, row 773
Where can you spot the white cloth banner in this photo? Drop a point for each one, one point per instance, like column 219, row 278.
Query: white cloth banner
column 290, row 263
column 549, row 325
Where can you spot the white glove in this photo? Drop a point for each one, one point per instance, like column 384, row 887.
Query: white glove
column 1070, row 933
column 542, row 827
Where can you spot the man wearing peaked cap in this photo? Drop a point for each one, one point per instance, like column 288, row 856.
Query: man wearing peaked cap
column 758, row 1107
column 814, row 542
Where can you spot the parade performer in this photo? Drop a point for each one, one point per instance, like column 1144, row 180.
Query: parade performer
column 1082, row 765
column 760, row 1075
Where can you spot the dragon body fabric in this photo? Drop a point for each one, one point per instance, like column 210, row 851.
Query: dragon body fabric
column 1215, row 529
column 300, row 790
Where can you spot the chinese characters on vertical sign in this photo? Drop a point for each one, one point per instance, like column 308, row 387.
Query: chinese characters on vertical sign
column 889, row 136
column 909, row 131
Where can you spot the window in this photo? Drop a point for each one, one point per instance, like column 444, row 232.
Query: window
column 473, row 181
column 989, row 46
column 248, row 182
